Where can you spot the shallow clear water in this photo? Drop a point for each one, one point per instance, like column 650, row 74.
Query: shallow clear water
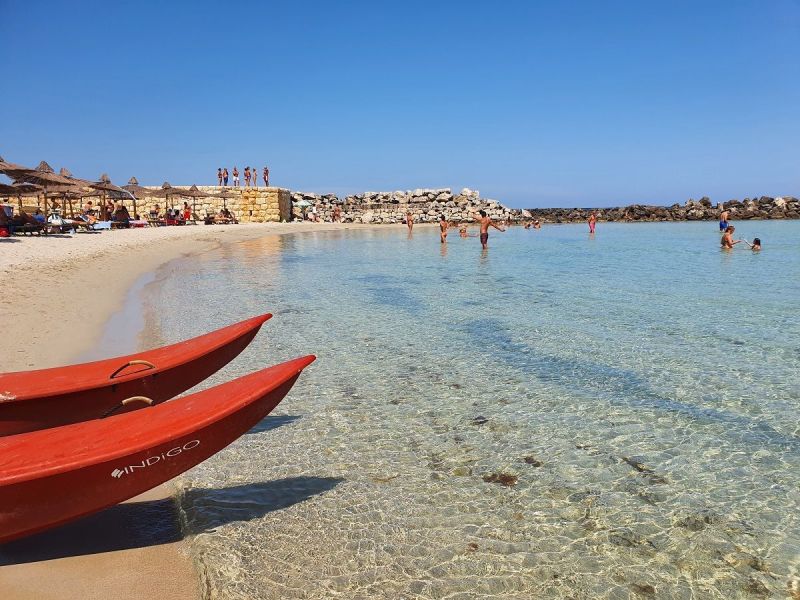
column 640, row 388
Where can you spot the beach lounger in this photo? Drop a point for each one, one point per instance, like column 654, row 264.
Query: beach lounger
column 31, row 228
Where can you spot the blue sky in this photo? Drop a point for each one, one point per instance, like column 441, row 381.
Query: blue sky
column 532, row 103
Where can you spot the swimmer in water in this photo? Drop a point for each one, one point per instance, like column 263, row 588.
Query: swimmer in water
column 727, row 242
column 755, row 246
column 443, row 224
column 410, row 221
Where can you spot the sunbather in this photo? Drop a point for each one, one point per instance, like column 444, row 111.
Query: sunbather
column 121, row 216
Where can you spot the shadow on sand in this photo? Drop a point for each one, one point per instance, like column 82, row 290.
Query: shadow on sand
column 273, row 422
column 155, row 522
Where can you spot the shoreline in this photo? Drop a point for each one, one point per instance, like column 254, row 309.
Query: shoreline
column 56, row 281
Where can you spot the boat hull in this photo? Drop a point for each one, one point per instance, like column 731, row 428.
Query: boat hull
column 48, row 478
column 45, row 398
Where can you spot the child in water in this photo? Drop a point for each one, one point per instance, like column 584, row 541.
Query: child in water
column 756, row 245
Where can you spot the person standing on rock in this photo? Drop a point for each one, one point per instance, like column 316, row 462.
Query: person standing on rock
column 443, row 225
column 723, row 220
column 247, row 176
column 219, row 176
column 235, row 176
column 225, row 176
column 485, row 222
column 592, row 222
column 410, row 221
column 266, row 176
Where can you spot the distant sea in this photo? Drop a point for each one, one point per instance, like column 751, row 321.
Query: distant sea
column 563, row 416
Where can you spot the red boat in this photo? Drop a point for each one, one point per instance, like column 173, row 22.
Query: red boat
column 31, row 400
column 50, row 477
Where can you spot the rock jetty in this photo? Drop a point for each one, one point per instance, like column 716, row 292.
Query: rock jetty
column 391, row 207
column 786, row 207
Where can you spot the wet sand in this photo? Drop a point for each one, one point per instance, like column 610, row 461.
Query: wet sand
column 60, row 292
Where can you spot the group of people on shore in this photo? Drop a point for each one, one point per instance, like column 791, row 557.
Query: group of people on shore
column 727, row 242
column 250, row 175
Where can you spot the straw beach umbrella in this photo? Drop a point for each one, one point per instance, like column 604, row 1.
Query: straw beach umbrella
column 66, row 192
column 19, row 190
column 67, row 195
column 8, row 166
column 137, row 191
column 225, row 195
column 108, row 189
column 42, row 175
column 168, row 192
column 195, row 194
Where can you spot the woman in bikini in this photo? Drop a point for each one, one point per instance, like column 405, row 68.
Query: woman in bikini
column 727, row 242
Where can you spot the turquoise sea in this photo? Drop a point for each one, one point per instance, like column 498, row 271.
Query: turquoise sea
column 563, row 416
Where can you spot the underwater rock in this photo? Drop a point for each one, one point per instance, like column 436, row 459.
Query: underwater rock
column 504, row 479
column 531, row 460
column 480, row 420
column 757, row 587
column 627, row 538
column 644, row 589
column 640, row 467
column 696, row 522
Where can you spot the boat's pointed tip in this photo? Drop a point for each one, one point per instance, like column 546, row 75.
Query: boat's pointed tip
column 263, row 318
column 304, row 361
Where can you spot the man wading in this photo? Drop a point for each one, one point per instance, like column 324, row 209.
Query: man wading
column 485, row 222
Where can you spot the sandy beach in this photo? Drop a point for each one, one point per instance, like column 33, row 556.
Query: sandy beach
column 74, row 285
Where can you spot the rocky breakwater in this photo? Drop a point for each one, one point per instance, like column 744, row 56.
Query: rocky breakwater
column 765, row 207
column 391, row 207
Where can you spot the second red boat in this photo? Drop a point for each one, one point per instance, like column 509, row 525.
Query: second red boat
column 32, row 400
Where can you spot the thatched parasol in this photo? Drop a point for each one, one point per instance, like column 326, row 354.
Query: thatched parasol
column 109, row 190
column 42, row 175
column 65, row 172
column 168, row 192
column 195, row 194
column 225, row 195
column 137, row 191
column 19, row 190
column 67, row 193
column 7, row 166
